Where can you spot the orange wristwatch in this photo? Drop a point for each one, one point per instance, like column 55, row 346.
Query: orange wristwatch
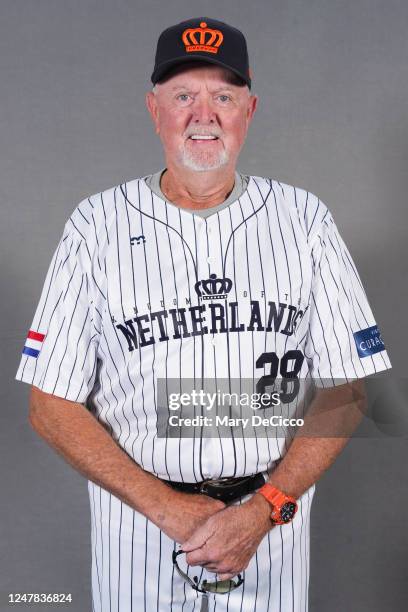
column 284, row 506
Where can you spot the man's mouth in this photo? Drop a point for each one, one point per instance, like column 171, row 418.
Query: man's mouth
column 203, row 137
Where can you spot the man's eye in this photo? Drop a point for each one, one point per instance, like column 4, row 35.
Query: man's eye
column 183, row 97
column 223, row 98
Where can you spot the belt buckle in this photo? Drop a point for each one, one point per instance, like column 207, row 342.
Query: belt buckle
column 217, row 482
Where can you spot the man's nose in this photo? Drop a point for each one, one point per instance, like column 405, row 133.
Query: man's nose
column 203, row 111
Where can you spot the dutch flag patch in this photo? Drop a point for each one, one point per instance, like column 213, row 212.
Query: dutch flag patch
column 33, row 344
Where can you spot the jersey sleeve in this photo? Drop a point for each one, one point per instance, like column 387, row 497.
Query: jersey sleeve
column 60, row 352
column 343, row 341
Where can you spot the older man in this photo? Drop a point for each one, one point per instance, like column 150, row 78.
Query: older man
column 199, row 273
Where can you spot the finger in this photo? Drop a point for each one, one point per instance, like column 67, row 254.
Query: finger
column 210, row 568
column 203, row 555
column 198, row 558
column 226, row 576
column 197, row 540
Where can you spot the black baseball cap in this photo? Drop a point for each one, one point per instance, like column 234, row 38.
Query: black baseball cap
column 205, row 40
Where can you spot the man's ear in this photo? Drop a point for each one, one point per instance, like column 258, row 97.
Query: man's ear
column 152, row 107
column 252, row 106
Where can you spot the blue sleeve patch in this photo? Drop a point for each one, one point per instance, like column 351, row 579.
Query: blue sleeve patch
column 368, row 341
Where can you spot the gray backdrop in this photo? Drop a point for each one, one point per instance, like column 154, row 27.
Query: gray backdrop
column 333, row 84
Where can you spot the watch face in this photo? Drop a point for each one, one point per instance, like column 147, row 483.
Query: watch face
column 288, row 511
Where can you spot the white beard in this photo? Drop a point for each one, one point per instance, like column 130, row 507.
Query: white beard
column 203, row 162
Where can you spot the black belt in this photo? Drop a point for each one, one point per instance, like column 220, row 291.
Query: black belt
column 225, row 489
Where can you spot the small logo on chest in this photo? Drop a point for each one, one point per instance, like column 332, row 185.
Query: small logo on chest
column 137, row 240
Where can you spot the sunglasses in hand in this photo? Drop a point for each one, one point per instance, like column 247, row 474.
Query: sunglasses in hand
column 219, row 586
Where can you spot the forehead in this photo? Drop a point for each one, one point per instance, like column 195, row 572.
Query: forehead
column 200, row 75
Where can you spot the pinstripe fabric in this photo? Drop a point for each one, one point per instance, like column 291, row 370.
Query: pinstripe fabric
column 121, row 308
column 132, row 568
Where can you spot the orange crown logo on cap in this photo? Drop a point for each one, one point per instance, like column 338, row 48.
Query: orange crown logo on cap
column 202, row 39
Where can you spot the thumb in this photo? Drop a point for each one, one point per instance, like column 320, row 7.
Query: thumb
column 197, row 540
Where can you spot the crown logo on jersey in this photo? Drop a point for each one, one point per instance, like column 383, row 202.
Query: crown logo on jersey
column 202, row 39
column 213, row 288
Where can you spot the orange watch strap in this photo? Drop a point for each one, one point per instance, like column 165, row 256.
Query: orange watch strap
column 277, row 499
column 274, row 496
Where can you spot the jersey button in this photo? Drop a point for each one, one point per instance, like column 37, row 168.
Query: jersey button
column 210, row 260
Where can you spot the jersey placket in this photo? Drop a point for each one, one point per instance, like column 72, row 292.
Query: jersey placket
column 209, row 261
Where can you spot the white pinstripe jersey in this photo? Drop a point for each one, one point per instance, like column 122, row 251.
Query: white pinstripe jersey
column 139, row 289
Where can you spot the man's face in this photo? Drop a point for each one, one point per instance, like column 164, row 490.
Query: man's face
column 200, row 102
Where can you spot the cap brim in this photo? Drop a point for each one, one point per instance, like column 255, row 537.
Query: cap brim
column 164, row 67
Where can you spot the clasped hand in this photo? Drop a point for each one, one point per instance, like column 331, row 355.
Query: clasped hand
column 228, row 539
